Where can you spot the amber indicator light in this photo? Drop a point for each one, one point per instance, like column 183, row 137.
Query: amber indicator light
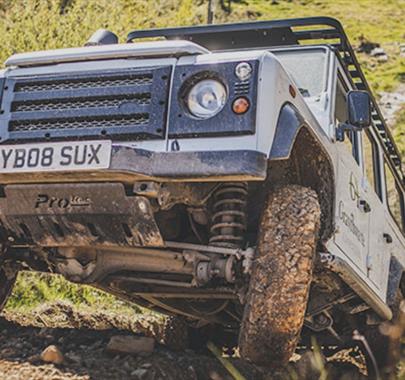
column 240, row 105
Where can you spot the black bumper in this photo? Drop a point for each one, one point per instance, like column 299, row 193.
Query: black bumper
column 132, row 164
column 187, row 165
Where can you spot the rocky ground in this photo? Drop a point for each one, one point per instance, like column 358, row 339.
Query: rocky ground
column 81, row 341
column 391, row 103
column 59, row 342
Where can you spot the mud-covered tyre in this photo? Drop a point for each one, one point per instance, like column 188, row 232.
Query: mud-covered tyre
column 281, row 276
column 6, row 286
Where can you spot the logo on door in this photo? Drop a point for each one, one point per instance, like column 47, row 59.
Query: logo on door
column 354, row 188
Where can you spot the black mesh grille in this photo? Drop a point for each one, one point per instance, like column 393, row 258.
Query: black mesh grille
column 88, row 83
column 107, row 103
column 104, row 123
column 64, row 104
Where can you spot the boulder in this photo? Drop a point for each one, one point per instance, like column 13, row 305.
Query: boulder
column 130, row 344
column 52, row 354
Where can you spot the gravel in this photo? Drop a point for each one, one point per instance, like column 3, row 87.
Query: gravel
column 82, row 338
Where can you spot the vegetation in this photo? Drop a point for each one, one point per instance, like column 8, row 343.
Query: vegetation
column 34, row 289
column 46, row 24
column 27, row 25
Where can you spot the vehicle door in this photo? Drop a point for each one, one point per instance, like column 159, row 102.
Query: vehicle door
column 378, row 257
column 351, row 219
column 393, row 229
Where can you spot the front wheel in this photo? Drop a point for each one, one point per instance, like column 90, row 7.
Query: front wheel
column 281, row 276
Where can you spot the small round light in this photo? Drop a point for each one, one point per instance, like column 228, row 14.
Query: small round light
column 206, row 98
column 240, row 105
column 243, row 71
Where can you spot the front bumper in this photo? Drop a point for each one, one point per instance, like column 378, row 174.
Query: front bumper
column 132, row 164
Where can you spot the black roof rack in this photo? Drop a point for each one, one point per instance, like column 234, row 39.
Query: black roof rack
column 265, row 34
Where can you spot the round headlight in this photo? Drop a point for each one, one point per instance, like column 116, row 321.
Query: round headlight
column 206, row 98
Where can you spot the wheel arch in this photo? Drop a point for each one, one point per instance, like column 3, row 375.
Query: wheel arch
column 298, row 157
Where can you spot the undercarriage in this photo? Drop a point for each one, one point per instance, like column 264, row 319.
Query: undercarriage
column 179, row 248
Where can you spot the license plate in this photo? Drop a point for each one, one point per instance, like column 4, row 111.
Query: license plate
column 58, row 156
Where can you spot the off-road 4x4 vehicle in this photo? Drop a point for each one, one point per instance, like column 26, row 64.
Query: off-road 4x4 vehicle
column 239, row 176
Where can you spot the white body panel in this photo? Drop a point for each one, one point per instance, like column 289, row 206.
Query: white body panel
column 141, row 49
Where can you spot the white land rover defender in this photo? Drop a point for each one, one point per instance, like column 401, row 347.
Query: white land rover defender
column 239, row 176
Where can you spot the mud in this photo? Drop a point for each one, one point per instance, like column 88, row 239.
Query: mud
column 281, row 277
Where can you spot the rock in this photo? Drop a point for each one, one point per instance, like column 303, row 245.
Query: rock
column 139, row 373
column 380, row 54
column 213, row 375
column 366, row 46
column 402, row 50
column 52, row 354
column 130, row 344
column 377, row 52
column 391, row 103
column 382, row 58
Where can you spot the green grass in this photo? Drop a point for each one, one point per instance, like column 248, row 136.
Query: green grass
column 27, row 25
column 45, row 24
column 34, row 289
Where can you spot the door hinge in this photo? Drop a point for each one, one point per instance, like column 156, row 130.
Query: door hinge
column 364, row 206
column 387, row 238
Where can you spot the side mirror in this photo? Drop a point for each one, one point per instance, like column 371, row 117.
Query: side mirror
column 359, row 113
column 359, row 109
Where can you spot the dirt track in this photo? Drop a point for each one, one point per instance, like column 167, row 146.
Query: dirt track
column 21, row 344
column 82, row 338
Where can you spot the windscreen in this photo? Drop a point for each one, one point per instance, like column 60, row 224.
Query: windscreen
column 307, row 67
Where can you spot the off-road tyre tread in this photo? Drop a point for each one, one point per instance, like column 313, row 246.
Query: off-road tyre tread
column 281, row 276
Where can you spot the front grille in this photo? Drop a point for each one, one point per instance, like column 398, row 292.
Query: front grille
column 85, row 83
column 63, row 104
column 140, row 119
column 130, row 102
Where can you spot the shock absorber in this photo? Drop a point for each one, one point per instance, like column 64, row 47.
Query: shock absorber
column 228, row 222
